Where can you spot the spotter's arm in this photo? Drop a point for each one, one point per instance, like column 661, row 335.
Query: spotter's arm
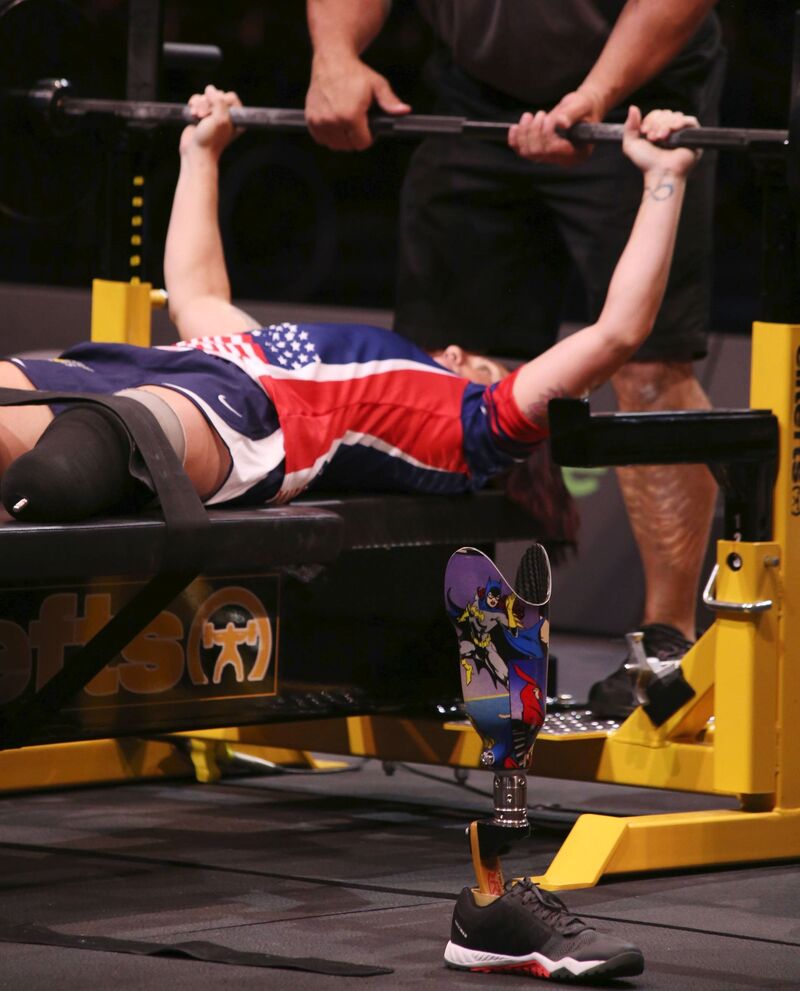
column 646, row 37
column 343, row 87
column 648, row 34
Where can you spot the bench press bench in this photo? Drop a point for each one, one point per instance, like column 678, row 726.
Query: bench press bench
column 327, row 606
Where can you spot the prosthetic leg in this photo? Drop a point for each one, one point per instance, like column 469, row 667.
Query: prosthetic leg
column 503, row 637
column 503, row 643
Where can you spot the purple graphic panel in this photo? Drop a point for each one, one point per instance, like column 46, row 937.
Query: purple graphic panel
column 502, row 646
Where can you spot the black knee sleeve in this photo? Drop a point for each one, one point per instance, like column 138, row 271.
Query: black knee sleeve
column 78, row 468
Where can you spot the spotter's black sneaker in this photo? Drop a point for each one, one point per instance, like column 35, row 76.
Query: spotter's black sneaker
column 530, row 931
column 614, row 697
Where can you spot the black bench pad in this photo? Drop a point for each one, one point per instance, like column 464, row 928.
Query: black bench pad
column 238, row 541
column 252, row 540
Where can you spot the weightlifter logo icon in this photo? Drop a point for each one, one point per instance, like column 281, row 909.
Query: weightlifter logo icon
column 230, row 638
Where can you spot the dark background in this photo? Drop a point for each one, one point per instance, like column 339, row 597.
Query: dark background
column 304, row 224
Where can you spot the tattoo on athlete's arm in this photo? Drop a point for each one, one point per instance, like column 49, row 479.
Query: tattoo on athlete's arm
column 662, row 189
column 536, row 412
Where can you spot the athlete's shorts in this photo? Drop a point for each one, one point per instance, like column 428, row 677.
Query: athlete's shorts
column 235, row 406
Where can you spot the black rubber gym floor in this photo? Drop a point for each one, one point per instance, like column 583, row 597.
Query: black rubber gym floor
column 360, row 867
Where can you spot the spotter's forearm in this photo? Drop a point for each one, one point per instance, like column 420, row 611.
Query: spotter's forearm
column 344, row 28
column 647, row 35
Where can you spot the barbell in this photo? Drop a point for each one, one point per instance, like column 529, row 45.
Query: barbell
column 53, row 127
column 53, row 99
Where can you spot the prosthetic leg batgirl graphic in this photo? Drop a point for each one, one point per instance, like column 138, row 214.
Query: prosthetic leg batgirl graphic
column 503, row 649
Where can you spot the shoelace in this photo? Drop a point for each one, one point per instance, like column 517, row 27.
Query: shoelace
column 547, row 906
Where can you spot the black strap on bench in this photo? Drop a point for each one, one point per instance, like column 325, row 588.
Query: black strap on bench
column 182, row 560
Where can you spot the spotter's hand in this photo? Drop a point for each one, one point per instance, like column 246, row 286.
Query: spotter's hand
column 215, row 129
column 537, row 136
column 639, row 135
column 338, row 100
column 531, row 138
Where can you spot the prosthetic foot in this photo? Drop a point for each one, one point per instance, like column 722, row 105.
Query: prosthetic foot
column 503, row 648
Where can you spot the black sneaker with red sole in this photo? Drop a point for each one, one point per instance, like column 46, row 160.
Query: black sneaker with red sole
column 530, row 931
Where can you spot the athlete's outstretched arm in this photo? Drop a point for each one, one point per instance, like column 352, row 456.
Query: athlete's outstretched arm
column 588, row 358
column 194, row 263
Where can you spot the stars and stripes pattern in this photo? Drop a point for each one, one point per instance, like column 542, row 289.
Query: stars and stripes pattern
column 361, row 407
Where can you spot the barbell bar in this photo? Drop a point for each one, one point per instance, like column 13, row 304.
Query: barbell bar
column 53, row 98
column 55, row 136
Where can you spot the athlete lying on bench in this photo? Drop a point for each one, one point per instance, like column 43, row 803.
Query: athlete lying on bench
column 260, row 415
